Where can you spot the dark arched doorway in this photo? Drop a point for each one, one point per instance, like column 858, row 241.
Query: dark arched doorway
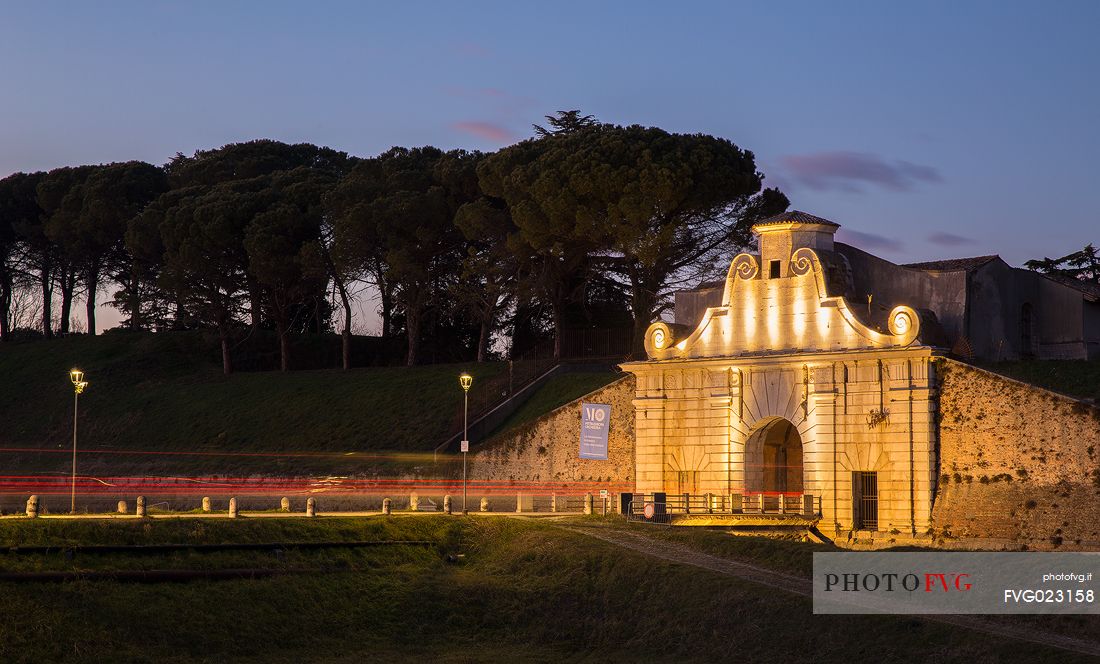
column 773, row 458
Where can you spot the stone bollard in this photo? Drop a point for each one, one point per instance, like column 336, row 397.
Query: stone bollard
column 587, row 503
column 484, row 504
column 736, row 506
column 122, row 507
column 447, row 504
column 206, row 503
column 519, row 504
column 385, row 506
column 414, row 503
column 284, row 504
column 233, row 508
column 140, row 509
column 32, row 507
column 553, row 503
column 311, row 506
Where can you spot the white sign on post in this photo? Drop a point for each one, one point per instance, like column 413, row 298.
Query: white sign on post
column 465, row 446
column 595, row 419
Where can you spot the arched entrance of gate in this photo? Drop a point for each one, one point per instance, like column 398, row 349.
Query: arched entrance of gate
column 774, row 461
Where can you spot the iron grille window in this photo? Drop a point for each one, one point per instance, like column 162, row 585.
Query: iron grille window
column 865, row 500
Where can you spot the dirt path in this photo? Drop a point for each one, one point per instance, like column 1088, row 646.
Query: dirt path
column 798, row 585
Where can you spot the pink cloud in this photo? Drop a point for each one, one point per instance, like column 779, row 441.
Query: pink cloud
column 485, row 130
column 868, row 240
column 846, row 171
column 950, row 239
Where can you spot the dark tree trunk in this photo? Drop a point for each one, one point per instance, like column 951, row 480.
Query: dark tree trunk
column 46, row 280
column 284, row 346
column 345, row 335
column 255, row 306
column 483, row 340
column 558, row 321
column 68, row 285
column 642, row 303
column 345, row 348
column 386, row 311
column 135, row 301
column 412, row 326
column 227, row 366
column 92, row 282
column 5, row 306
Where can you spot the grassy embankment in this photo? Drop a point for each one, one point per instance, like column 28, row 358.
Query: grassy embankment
column 525, row 591
column 165, row 392
column 1076, row 378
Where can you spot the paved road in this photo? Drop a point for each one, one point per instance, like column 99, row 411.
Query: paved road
column 798, row 585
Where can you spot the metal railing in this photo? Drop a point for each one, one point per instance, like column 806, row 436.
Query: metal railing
column 661, row 508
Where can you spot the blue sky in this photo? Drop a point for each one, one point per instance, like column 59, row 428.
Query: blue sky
column 928, row 130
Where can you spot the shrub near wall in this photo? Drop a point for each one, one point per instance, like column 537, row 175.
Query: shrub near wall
column 547, row 449
column 1018, row 463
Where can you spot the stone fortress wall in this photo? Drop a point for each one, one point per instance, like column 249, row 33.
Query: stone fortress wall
column 1019, row 465
column 546, row 450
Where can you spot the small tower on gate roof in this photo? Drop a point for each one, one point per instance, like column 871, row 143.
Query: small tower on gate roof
column 785, row 233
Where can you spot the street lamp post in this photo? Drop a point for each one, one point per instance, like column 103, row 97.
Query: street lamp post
column 77, row 377
column 465, row 380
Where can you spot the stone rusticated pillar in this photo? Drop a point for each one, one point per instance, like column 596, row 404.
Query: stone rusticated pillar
column 140, row 509
column 414, row 502
column 587, row 503
column 122, row 507
column 311, row 506
column 484, row 505
column 447, row 504
column 233, row 513
column 206, row 504
column 284, row 504
column 32, row 507
column 385, row 506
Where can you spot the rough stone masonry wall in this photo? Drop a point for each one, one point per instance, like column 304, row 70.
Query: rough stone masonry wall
column 1019, row 465
column 547, row 449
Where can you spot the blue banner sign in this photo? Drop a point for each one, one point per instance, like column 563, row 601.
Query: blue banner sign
column 595, row 419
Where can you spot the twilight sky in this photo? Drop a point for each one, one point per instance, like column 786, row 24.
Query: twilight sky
column 928, row 130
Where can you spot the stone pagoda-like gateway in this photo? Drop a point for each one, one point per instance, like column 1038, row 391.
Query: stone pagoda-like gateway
column 790, row 396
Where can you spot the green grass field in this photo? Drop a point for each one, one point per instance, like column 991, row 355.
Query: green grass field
column 525, row 591
column 165, row 392
column 1077, row 378
column 556, row 392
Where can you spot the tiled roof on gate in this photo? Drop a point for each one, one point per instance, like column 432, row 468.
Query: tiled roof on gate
column 797, row 217
column 952, row 264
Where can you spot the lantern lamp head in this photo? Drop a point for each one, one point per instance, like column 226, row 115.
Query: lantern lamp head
column 465, row 380
column 76, row 375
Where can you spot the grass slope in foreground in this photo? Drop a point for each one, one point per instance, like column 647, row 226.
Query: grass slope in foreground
column 526, row 591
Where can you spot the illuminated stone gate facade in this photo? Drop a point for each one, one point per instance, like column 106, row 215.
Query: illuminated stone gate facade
column 788, row 388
